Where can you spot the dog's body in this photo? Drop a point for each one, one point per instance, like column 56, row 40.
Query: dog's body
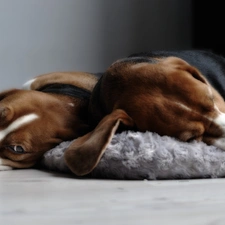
column 174, row 93
column 180, row 94
column 54, row 109
column 210, row 65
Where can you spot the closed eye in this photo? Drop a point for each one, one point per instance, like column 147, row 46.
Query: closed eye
column 16, row 149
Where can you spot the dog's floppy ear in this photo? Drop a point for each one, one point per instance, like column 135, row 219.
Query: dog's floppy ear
column 84, row 153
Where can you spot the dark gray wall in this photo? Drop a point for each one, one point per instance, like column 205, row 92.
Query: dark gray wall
column 41, row 36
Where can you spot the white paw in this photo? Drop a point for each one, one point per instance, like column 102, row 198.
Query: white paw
column 4, row 168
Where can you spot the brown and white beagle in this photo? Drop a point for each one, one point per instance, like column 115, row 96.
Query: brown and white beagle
column 180, row 94
column 175, row 93
column 52, row 110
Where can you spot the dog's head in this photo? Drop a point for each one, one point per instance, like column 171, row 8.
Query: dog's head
column 168, row 96
column 174, row 99
column 32, row 122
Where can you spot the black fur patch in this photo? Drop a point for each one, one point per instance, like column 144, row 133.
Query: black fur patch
column 66, row 89
column 138, row 59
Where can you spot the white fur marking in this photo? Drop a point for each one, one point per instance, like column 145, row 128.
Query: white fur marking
column 27, row 85
column 17, row 123
column 183, row 106
column 71, row 104
column 220, row 120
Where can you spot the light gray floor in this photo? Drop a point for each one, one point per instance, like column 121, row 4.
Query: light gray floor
column 39, row 197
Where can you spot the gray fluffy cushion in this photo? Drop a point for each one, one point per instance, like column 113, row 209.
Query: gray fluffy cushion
column 136, row 155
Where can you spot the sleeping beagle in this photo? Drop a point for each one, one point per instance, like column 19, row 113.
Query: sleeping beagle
column 54, row 109
column 175, row 93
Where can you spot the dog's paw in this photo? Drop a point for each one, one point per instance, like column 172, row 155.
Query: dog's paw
column 5, row 168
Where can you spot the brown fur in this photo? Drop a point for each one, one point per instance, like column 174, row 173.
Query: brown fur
column 169, row 97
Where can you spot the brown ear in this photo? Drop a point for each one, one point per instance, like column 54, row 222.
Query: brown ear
column 85, row 152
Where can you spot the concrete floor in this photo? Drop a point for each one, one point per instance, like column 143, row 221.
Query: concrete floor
column 41, row 197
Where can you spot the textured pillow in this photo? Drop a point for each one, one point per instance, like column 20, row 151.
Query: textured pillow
column 136, row 155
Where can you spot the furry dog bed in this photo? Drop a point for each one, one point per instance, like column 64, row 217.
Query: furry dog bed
column 136, row 155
